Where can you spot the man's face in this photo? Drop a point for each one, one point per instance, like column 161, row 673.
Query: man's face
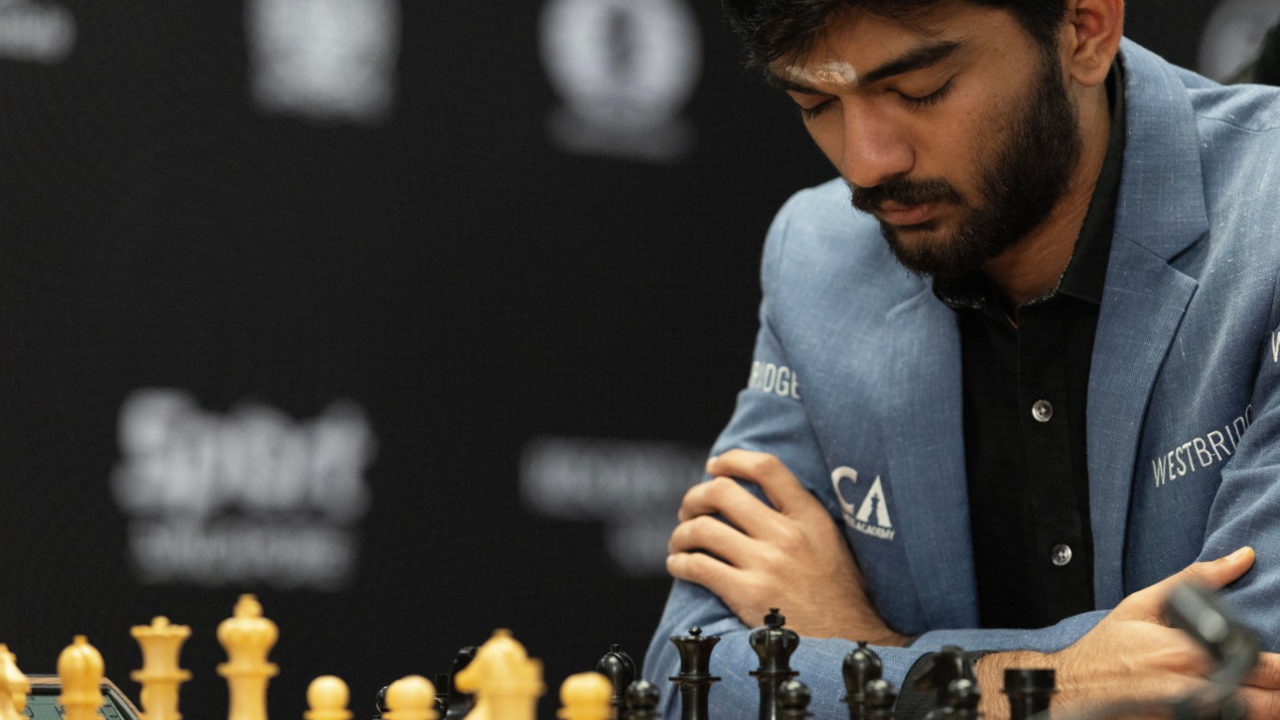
column 956, row 132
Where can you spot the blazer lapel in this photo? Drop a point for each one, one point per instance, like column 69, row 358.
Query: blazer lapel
column 924, row 437
column 1160, row 214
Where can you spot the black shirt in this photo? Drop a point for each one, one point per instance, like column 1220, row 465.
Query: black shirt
column 1026, row 380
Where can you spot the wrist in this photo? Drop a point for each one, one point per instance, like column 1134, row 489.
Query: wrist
column 989, row 671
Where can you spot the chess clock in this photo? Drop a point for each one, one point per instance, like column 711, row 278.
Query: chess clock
column 42, row 701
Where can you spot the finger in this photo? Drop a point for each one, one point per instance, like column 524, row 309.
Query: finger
column 1147, row 604
column 1260, row 704
column 712, row 536
column 702, row 569
column 1266, row 674
column 725, row 497
column 779, row 484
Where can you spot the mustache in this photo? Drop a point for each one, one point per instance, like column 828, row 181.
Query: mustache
column 904, row 192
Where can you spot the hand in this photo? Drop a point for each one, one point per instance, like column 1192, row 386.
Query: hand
column 1132, row 655
column 792, row 557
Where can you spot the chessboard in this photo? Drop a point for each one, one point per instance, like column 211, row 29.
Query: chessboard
column 495, row 681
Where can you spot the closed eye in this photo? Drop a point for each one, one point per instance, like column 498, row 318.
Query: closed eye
column 816, row 110
column 926, row 100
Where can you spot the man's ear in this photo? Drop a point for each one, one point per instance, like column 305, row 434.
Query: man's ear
column 1092, row 39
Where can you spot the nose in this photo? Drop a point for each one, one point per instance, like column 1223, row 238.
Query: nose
column 874, row 149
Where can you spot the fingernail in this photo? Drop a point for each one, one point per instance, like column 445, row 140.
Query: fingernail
column 712, row 461
column 1240, row 554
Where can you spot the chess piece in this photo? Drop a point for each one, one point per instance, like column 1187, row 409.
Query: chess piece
column 160, row 675
column 248, row 638
column 942, row 668
column 505, row 680
column 1029, row 692
column 860, row 667
column 774, row 645
column 618, row 666
column 586, row 696
column 641, row 701
column 80, row 670
column 963, row 696
column 793, row 700
column 411, row 698
column 442, row 684
column 460, row 704
column 327, row 698
column 695, row 677
column 14, row 687
column 879, row 700
column 380, row 703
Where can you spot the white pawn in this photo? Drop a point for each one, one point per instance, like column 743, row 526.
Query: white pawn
column 14, row 687
column 328, row 696
column 411, row 698
column 586, row 696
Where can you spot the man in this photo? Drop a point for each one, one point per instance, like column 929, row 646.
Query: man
column 1050, row 396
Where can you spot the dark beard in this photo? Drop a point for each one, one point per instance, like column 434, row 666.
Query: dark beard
column 1020, row 183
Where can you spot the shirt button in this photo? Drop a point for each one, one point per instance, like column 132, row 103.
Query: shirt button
column 1042, row 411
column 1061, row 554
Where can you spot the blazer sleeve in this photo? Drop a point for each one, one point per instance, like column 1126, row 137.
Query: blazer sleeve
column 770, row 418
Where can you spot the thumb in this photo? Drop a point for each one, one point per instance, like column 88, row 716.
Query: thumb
column 1148, row 603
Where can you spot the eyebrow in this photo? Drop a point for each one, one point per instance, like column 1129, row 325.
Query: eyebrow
column 917, row 59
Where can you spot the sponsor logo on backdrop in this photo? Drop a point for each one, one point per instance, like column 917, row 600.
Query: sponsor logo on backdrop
column 325, row 60
column 247, row 497
column 871, row 516
column 623, row 70
column 1233, row 36
column 632, row 487
column 34, row 31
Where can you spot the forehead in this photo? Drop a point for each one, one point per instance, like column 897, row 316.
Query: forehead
column 859, row 40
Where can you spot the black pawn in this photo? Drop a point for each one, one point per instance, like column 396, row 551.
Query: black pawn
column 963, row 696
column 880, row 700
column 861, row 666
column 774, row 644
column 944, row 667
column 380, row 703
column 793, row 700
column 444, row 687
column 460, row 703
column 1029, row 692
column 695, row 676
column 618, row 666
column 641, row 701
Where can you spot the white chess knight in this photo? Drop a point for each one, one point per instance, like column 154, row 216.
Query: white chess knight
column 324, row 59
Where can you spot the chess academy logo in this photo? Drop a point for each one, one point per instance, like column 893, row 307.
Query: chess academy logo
column 871, row 517
column 34, row 31
column 325, row 60
column 251, row 496
column 624, row 69
column 1233, row 36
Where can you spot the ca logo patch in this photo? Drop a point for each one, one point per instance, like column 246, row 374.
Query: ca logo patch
column 871, row 516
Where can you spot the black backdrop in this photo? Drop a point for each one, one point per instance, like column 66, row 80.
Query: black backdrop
column 490, row 308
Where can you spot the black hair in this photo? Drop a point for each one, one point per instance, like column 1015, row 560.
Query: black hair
column 784, row 29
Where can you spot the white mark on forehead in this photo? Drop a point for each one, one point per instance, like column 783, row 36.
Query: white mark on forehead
column 832, row 72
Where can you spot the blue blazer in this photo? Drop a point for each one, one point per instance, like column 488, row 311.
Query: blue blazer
column 856, row 386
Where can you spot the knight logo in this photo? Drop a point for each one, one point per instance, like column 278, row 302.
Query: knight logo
column 874, row 506
column 33, row 31
column 247, row 497
column 325, row 60
column 624, row 70
column 1233, row 37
